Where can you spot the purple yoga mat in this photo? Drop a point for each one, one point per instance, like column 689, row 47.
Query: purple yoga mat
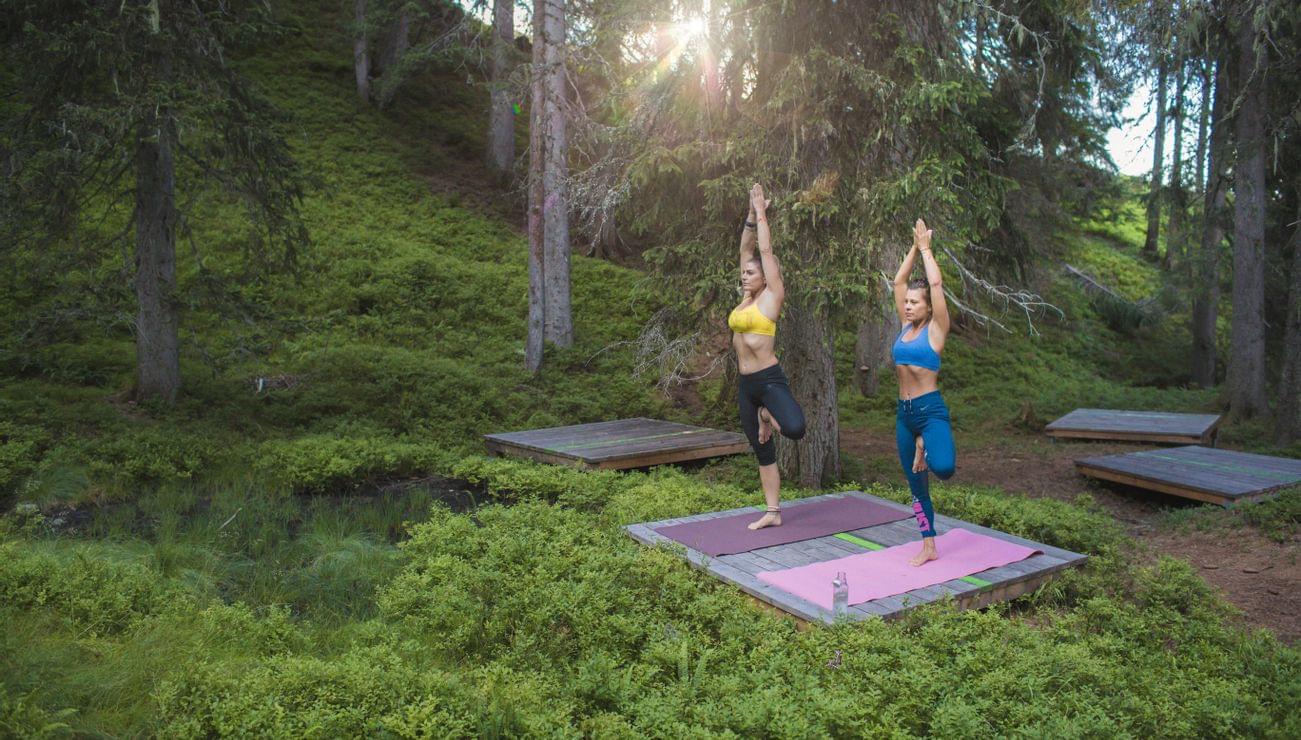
column 728, row 534
column 881, row 573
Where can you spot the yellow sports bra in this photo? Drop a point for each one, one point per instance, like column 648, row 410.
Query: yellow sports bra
column 750, row 320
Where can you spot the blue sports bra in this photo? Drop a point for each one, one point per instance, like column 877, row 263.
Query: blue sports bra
column 916, row 352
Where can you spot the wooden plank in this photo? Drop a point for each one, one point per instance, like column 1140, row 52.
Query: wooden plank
column 742, row 569
column 1222, row 477
column 640, row 447
column 1130, row 480
column 1221, row 472
column 618, row 444
column 1196, row 474
column 1116, row 419
column 1229, row 461
column 1139, row 425
column 1130, row 436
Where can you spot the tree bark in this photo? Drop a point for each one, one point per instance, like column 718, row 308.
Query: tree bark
column 1175, row 238
column 709, row 58
column 537, row 166
column 809, row 360
column 1202, row 116
column 361, row 53
column 872, row 349
column 1158, row 154
column 1206, row 279
column 501, row 119
column 158, row 370
column 559, row 323
column 397, row 43
column 1288, row 428
column 1246, row 375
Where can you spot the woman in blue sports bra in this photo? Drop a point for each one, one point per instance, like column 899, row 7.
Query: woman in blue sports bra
column 922, row 430
column 763, row 397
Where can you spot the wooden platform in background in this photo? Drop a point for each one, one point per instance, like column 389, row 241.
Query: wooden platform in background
column 1217, row 476
column 1136, row 426
column 619, row 444
column 984, row 588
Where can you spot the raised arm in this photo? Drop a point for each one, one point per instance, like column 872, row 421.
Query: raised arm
column 939, row 309
column 901, row 280
column 748, row 238
column 772, row 272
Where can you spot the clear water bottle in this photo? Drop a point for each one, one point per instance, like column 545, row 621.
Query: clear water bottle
column 840, row 596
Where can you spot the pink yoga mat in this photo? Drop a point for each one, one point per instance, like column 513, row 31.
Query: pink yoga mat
column 881, row 573
column 805, row 521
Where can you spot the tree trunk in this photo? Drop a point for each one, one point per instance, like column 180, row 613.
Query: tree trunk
column 1202, row 114
column 559, row 323
column 158, row 367
column 1289, row 383
column 1158, row 153
column 361, row 54
column 872, row 350
column 710, row 60
column 397, row 42
column 537, row 166
column 501, row 119
column 1246, row 377
column 1206, row 279
column 809, row 361
column 1175, row 238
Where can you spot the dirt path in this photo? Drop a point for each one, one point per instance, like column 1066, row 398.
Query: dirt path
column 1256, row 574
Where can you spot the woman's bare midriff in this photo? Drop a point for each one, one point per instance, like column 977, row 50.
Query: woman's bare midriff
column 916, row 381
column 754, row 352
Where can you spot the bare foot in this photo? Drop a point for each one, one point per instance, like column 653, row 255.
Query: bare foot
column 919, row 460
column 765, row 426
column 771, row 518
column 927, row 554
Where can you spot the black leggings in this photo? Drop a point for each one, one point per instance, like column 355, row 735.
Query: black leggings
column 768, row 388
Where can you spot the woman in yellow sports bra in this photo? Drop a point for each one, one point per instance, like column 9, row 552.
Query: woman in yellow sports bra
column 764, row 397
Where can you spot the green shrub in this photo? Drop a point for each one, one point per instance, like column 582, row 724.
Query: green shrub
column 83, row 585
column 322, row 463
column 150, row 454
column 20, row 453
column 361, row 693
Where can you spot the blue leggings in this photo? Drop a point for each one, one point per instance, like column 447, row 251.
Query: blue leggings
column 925, row 416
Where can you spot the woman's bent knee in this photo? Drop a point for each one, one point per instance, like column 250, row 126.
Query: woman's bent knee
column 943, row 469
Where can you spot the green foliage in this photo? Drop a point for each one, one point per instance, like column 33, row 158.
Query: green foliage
column 1277, row 518
column 21, row 716
column 326, row 463
column 20, row 450
column 203, row 599
column 542, row 617
column 150, row 454
column 94, row 594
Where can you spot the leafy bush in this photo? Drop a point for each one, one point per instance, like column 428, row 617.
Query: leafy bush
column 322, row 463
column 150, row 454
column 95, row 594
column 20, row 450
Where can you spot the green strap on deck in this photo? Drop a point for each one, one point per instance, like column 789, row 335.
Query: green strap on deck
column 847, row 537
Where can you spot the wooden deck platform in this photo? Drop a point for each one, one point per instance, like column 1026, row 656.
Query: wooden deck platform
column 1217, row 476
column 1136, row 426
column 619, row 444
column 984, row 588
